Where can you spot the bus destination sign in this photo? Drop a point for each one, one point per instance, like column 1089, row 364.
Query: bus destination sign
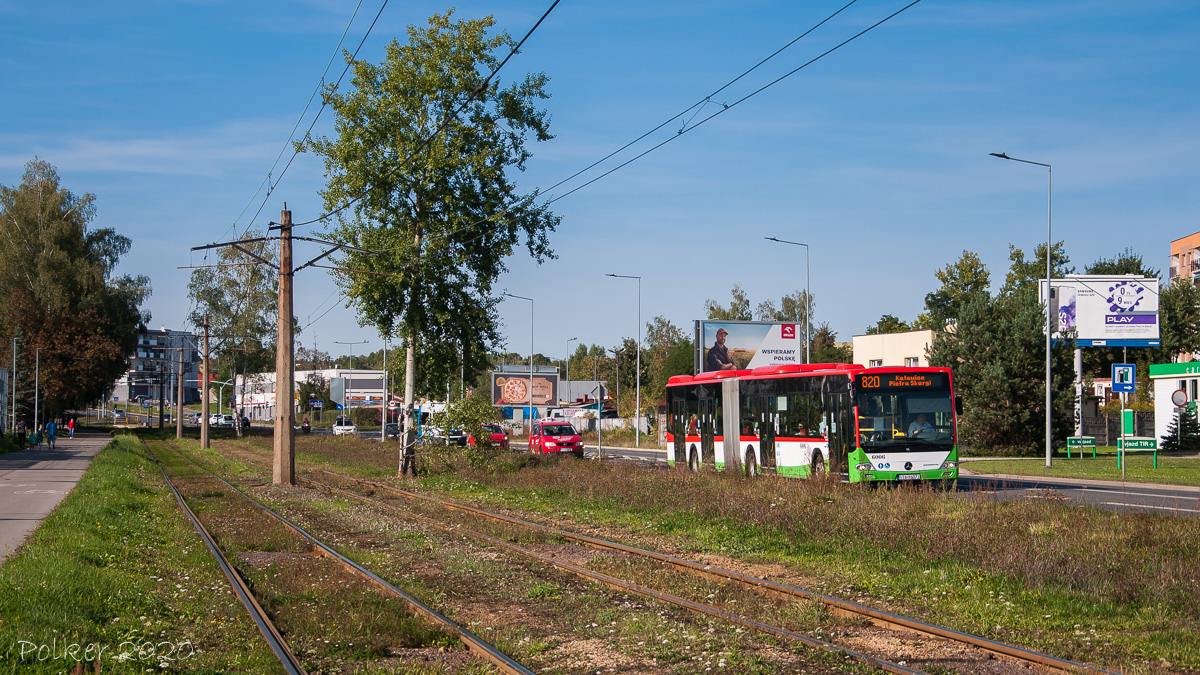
column 903, row 381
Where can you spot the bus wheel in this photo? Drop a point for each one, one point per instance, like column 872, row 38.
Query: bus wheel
column 751, row 464
column 818, row 466
column 693, row 461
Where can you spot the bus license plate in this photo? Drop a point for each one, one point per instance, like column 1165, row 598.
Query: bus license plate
column 909, row 476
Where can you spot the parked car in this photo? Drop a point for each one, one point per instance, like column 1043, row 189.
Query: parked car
column 119, row 415
column 214, row 419
column 555, row 435
column 342, row 426
column 392, row 430
column 226, row 420
column 439, row 435
column 497, row 433
column 192, row 418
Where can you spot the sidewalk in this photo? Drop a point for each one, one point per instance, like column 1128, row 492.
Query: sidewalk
column 33, row 482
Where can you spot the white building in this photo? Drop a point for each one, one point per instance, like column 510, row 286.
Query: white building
column 254, row 394
column 893, row 349
column 1167, row 378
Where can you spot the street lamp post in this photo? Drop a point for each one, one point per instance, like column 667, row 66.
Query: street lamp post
column 37, row 364
column 637, row 423
column 570, row 400
column 12, row 387
column 617, row 357
column 349, row 381
column 521, row 297
column 808, row 297
column 1049, row 279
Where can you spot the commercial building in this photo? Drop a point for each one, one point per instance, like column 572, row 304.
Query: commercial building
column 909, row 349
column 154, row 367
column 254, row 394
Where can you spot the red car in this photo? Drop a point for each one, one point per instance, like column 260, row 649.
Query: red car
column 553, row 435
column 498, row 435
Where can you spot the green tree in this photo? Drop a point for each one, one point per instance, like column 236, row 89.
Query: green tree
column 825, row 347
column 1179, row 320
column 738, row 310
column 1125, row 262
column 997, row 351
column 662, row 337
column 59, row 294
column 241, row 300
column 961, row 281
column 1024, row 274
column 1184, row 433
column 423, row 147
column 888, row 324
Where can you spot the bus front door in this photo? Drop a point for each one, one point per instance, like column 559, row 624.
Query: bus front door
column 841, row 430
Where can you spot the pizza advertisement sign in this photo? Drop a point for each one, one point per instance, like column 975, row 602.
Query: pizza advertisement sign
column 513, row 389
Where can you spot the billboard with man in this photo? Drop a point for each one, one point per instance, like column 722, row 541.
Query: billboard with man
column 1105, row 310
column 739, row 345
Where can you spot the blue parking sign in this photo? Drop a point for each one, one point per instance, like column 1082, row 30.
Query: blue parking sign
column 1124, row 378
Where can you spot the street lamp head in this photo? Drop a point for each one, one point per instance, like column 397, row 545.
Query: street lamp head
column 1001, row 155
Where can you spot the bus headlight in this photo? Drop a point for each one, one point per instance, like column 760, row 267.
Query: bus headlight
column 862, row 467
column 949, row 465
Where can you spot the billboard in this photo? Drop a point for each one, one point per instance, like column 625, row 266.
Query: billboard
column 739, row 345
column 1104, row 310
column 513, row 389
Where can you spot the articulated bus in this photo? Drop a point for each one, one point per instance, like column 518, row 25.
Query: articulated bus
column 864, row 424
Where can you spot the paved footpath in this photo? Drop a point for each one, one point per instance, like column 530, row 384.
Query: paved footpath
column 33, row 482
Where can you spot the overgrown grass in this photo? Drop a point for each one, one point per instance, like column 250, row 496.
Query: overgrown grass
column 1078, row 582
column 118, row 569
column 1174, row 469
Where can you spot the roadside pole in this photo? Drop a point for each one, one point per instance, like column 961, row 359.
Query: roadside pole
column 179, row 393
column 284, row 466
column 206, row 391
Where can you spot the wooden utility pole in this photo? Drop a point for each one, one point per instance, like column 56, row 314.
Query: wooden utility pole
column 204, row 396
column 284, row 468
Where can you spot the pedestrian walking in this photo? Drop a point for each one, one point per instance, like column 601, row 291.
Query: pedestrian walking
column 51, row 433
column 22, row 433
column 71, row 427
column 35, row 437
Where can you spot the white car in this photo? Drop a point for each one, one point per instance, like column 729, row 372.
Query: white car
column 343, row 427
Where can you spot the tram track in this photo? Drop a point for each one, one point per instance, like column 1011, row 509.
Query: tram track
column 475, row 644
column 844, row 608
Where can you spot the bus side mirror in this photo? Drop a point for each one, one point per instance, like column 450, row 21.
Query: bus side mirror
column 958, row 407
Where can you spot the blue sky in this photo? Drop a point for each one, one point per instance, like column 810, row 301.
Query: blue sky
column 173, row 113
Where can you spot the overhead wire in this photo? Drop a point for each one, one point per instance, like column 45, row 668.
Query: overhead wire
column 291, row 136
column 445, row 121
column 690, row 127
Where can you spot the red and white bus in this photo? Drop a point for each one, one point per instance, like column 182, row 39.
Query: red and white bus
column 866, row 424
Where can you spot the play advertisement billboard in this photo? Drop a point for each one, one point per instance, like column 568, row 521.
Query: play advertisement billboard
column 513, row 389
column 1104, row 310
column 740, row 345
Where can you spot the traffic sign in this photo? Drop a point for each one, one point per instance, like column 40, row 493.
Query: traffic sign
column 1124, row 378
column 116, row 398
column 393, row 405
column 1179, row 397
column 146, row 404
column 316, row 403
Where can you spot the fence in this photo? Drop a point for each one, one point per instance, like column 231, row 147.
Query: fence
column 1107, row 428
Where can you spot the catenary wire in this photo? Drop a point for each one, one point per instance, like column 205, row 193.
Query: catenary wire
column 271, row 187
column 445, row 122
column 692, row 127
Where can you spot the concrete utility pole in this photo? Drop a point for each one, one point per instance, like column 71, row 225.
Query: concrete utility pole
column 283, row 470
column 179, row 392
column 205, row 391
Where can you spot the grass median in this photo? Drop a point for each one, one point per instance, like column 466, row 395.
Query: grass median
column 117, row 574
column 1173, row 469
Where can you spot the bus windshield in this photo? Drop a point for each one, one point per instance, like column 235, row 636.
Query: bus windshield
column 887, row 418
